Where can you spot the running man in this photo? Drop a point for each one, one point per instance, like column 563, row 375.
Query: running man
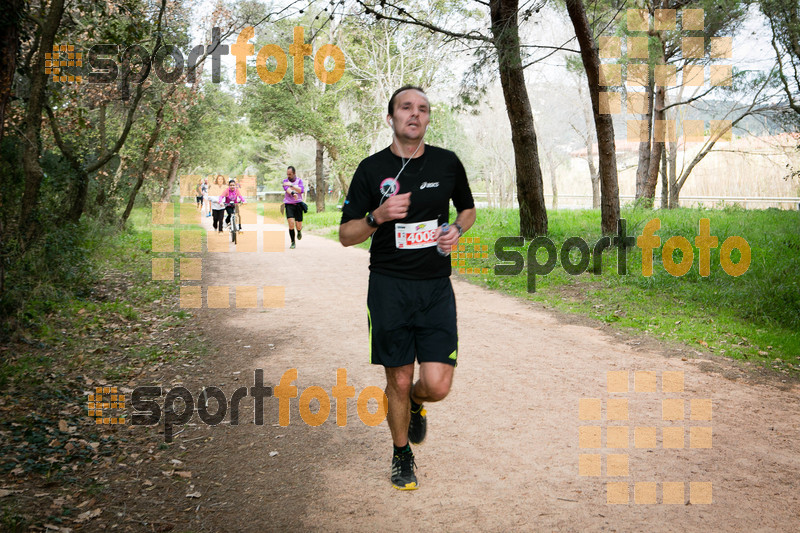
column 404, row 191
column 293, row 199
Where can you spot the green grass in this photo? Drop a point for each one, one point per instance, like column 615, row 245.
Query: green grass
column 754, row 316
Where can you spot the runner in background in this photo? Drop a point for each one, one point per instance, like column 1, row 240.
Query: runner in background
column 293, row 198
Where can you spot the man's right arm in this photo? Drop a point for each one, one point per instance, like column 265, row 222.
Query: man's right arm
column 357, row 230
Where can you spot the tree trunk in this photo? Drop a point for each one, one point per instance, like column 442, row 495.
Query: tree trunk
column 78, row 196
column 320, row 177
column 587, row 139
column 33, row 120
column 549, row 157
column 659, row 132
column 672, row 167
column 172, row 177
column 643, row 170
column 530, row 189
column 9, row 44
column 664, row 181
column 604, row 127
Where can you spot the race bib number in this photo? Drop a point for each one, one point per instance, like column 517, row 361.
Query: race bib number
column 415, row 235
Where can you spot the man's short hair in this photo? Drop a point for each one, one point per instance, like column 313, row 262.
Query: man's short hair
column 293, row 170
column 231, row 181
column 398, row 91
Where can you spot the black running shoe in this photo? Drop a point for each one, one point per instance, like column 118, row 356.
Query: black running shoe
column 299, row 234
column 417, row 425
column 403, row 466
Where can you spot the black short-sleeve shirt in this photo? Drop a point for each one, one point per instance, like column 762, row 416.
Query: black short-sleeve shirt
column 433, row 179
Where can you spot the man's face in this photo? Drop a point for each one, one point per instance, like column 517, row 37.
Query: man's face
column 412, row 113
column 290, row 174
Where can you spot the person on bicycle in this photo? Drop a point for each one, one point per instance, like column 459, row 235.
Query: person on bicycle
column 230, row 198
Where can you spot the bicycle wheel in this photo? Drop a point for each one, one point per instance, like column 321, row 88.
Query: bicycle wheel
column 233, row 228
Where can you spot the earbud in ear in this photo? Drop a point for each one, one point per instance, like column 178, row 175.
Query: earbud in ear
column 391, row 123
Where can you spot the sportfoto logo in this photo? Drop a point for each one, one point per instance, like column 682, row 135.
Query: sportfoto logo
column 109, row 63
column 148, row 412
column 647, row 242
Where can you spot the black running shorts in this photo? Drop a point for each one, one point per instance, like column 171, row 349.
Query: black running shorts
column 294, row 211
column 411, row 319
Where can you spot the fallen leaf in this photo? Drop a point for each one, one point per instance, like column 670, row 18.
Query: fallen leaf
column 184, row 474
column 273, row 454
column 193, row 495
column 62, row 425
column 88, row 515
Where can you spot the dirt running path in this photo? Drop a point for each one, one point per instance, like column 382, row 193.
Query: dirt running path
column 503, row 449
